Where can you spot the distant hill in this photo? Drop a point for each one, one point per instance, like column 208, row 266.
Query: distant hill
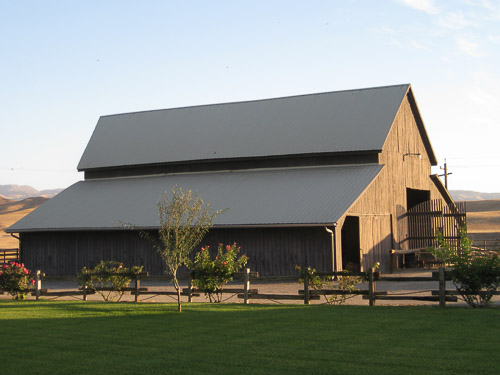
column 20, row 192
column 12, row 211
column 467, row 195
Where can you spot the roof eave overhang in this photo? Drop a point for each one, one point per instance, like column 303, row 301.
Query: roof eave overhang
column 442, row 189
column 232, row 159
column 421, row 127
column 113, row 229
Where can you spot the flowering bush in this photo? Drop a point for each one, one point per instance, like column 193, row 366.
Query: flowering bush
column 345, row 284
column 108, row 278
column 15, row 279
column 211, row 275
column 475, row 273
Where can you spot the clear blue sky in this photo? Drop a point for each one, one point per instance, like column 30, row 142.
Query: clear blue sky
column 65, row 63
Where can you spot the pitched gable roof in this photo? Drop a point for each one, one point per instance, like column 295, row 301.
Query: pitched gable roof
column 353, row 120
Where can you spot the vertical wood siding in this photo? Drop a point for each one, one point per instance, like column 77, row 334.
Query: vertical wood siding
column 272, row 251
column 385, row 198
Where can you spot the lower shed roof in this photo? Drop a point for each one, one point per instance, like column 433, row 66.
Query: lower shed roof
column 284, row 197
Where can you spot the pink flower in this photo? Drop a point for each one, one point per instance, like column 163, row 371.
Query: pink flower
column 33, row 282
column 202, row 249
column 224, row 263
column 25, row 271
column 4, row 266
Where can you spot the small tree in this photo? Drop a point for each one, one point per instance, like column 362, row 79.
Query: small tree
column 184, row 219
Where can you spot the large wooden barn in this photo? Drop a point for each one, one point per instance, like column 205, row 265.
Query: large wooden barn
column 322, row 180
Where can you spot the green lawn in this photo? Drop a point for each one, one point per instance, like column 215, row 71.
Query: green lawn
column 65, row 337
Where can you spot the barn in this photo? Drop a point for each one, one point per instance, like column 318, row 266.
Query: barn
column 322, row 180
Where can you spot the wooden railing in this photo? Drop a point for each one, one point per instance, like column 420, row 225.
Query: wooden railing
column 440, row 295
column 486, row 245
column 8, row 255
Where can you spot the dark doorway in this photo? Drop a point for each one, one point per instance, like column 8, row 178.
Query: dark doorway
column 419, row 223
column 414, row 197
column 350, row 244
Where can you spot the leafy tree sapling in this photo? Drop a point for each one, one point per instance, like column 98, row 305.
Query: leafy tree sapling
column 184, row 219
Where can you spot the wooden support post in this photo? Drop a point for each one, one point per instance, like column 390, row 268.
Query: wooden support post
column 371, row 287
column 442, row 287
column 137, row 286
column 38, row 284
column 306, row 290
column 190, row 289
column 246, row 286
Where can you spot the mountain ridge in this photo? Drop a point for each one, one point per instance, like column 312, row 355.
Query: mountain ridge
column 20, row 192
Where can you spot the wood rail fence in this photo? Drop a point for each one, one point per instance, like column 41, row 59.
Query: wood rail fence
column 440, row 295
column 486, row 245
column 8, row 255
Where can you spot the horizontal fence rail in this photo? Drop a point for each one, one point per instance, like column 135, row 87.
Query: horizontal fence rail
column 306, row 294
column 8, row 255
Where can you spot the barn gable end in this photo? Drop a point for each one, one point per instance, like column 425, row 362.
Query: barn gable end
column 407, row 157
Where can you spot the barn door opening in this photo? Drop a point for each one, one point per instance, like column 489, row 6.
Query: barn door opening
column 414, row 197
column 350, row 244
column 420, row 233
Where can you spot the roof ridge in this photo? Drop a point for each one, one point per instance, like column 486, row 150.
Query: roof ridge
column 257, row 100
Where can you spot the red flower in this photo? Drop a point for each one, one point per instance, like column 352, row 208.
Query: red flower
column 224, row 263
column 33, row 282
column 228, row 247
column 25, row 271
column 202, row 249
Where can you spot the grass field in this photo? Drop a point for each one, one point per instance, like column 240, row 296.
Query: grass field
column 82, row 338
column 11, row 212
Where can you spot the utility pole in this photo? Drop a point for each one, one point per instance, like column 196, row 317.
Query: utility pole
column 445, row 174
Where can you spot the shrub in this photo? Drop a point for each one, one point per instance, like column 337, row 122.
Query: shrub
column 345, row 284
column 108, row 278
column 15, row 279
column 475, row 273
column 211, row 275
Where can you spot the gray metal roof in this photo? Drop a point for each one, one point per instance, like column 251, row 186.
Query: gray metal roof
column 295, row 196
column 354, row 120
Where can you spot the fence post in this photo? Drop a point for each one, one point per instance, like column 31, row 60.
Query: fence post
column 306, row 290
column 442, row 287
column 190, row 289
column 38, row 284
column 371, row 287
column 246, row 284
column 137, row 286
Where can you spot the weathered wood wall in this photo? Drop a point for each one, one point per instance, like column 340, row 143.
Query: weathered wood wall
column 385, row 198
column 272, row 251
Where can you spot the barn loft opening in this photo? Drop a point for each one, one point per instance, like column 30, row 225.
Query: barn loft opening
column 414, row 197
